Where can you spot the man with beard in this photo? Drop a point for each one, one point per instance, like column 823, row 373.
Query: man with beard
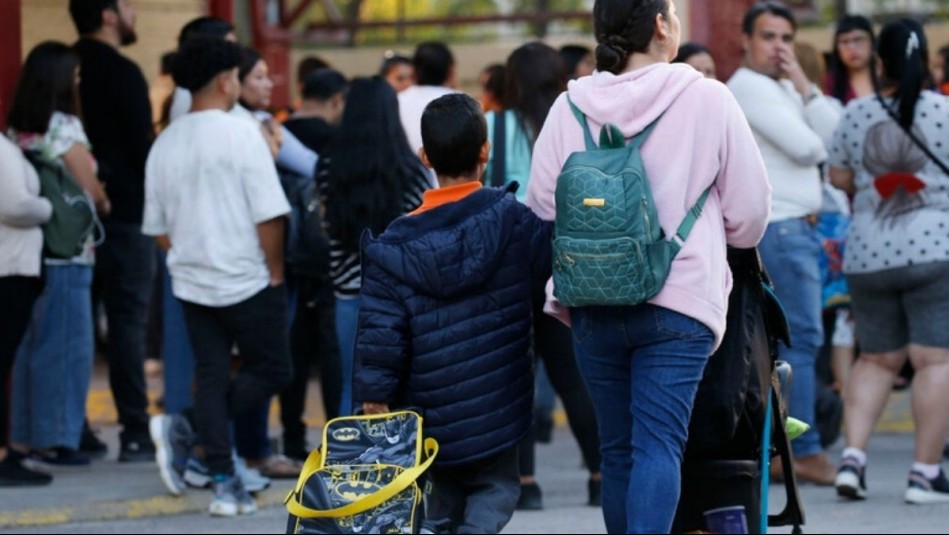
column 117, row 116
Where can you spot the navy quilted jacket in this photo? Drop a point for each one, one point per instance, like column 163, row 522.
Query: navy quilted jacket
column 444, row 320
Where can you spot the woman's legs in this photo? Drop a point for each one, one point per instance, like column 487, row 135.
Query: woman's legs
column 650, row 360
column 930, row 402
column 868, row 389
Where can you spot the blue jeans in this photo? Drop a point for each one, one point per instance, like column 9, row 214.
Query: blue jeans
column 177, row 355
column 791, row 252
column 648, row 360
column 53, row 365
column 347, row 320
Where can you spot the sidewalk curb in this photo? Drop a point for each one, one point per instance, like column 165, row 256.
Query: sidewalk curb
column 158, row 506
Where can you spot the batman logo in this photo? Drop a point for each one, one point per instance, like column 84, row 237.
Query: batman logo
column 346, row 434
column 353, row 491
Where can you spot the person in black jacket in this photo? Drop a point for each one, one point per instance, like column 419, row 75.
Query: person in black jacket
column 118, row 120
column 445, row 320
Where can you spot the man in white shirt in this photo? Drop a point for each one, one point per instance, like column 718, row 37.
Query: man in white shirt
column 214, row 202
column 435, row 77
column 793, row 123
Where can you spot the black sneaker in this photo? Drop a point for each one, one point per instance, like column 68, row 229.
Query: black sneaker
column 136, row 448
column 851, row 480
column 530, row 499
column 922, row 491
column 90, row 445
column 59, row 457
column 14, row 474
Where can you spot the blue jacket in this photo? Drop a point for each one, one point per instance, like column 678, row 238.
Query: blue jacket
column 445, row 318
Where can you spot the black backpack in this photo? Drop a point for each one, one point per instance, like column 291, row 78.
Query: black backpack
column 307, row 244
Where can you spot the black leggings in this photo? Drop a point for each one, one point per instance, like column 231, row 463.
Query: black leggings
column 17, row 295
column 553, row 342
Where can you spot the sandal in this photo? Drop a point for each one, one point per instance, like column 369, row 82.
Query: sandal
column 279, row 467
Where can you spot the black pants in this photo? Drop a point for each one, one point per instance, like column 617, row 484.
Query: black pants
column 258, row 326
column 125, row 267
column 478, row 497
column 312, row 341
column 17, row 295
column 553, row 342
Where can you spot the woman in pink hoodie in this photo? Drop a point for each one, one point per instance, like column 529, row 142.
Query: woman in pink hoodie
column 649, row 358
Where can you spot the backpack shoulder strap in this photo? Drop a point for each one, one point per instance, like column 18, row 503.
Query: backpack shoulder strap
column 582, row 119
column 641, row 137
column 498, row 149
column 691, row 217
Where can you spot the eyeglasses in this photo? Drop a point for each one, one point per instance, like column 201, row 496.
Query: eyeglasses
column 859, row 40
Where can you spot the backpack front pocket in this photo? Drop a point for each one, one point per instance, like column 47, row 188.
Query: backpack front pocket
column 601, row 272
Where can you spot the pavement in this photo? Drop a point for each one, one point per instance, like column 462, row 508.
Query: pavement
column 112, row 497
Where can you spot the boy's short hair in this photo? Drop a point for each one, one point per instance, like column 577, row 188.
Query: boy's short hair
column 433, row 63
column 199, row 60
column 324, row 84
column 212, row 27
column 453, row 132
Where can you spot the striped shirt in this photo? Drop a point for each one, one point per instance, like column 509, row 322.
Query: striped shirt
column 345, row 269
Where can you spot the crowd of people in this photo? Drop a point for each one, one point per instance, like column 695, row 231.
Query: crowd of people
column 394, row 235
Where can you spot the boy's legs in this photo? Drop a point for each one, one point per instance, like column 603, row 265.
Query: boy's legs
column 479, row 497
column 212, row 351
column 259, row 326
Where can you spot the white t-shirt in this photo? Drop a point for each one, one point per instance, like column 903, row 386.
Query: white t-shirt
column 209, row 180
column 412, row 104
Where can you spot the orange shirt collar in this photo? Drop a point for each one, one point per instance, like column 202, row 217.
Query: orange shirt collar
column 434, row 198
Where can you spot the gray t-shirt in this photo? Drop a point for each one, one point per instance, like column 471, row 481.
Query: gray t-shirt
column 901, row 206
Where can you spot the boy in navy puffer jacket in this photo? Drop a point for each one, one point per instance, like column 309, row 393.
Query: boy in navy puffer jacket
column 444, row 320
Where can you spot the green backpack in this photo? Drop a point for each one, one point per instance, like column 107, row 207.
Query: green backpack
column 74, row 216
column 608, row 246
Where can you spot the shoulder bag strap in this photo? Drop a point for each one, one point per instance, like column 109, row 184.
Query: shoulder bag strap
column 909, row 132
column 499, row 143
column 397, row 485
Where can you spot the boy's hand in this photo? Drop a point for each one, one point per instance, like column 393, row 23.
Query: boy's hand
column 375, row 408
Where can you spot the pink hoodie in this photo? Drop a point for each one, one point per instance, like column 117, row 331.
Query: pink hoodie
column 702, row 138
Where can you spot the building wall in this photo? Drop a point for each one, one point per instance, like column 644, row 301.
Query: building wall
column 160, row 20
column 157, row 27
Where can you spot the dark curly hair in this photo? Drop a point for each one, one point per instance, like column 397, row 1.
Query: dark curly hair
column 199, row 60
column 623, row 27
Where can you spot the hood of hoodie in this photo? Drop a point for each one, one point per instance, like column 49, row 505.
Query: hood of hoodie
column 449, row 250
column 634, row 99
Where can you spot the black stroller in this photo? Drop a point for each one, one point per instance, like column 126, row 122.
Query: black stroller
column 738, row 421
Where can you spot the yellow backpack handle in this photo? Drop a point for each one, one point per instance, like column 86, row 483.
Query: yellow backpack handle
column 397, row 485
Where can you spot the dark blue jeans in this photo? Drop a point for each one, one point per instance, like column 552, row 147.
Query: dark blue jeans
column 642, row 366
column 791, row 252
column 125, row 265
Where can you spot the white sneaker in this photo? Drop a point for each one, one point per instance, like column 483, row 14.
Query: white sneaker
column 231, row 498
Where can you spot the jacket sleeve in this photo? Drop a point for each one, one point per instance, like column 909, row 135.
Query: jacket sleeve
column 133, row 106
column 382, row 341
column 547, row 161
column 780, row 121
column 18, row 208
column 742, row 181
